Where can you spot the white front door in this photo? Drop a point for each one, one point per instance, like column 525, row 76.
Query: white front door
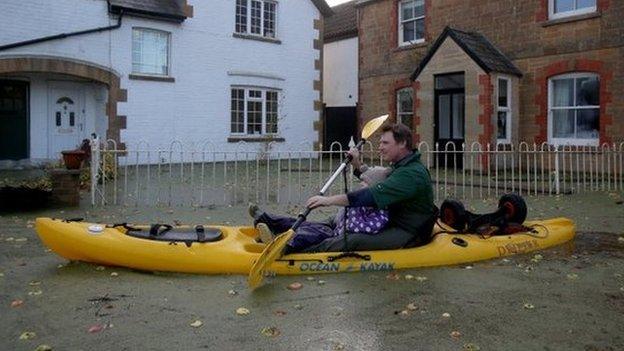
column 66, row 109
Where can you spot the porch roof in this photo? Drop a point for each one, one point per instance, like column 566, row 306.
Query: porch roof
column 173, row 10
column 481, row 50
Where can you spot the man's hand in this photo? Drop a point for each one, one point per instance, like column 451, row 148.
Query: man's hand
column 355, row 154
column 320, row 201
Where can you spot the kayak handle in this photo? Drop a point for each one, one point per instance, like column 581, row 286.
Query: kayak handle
column 347, row 255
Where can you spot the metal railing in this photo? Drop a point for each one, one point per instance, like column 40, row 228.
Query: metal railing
column 204, row 176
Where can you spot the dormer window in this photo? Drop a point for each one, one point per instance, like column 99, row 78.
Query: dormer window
column 256, row 17
column 567, row 8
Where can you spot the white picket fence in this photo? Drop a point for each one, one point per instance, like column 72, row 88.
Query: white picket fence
column 191, row 176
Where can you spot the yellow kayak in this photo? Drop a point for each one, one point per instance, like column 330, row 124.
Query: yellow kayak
column 233, row 250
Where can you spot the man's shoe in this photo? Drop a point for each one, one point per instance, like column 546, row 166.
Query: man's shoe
column 265, row 234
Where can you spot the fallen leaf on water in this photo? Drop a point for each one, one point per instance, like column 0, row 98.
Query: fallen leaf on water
column 455, row 334
column 409, row 277
column 270, row 331
column 538, row 257
column 17, row 303
column 621, row 239
column 505, row 260
column 321, row 282
column 338, row 347
column 446, row 315
column 100, row 268
column 20, row 240
column 412, row 306
column 295, row 286
column 404, row 313
column 471, row 347
column 196, row 324
column 393, row 276
column 96, row 328
column 35, row 293
column 298, row 307
column 421, row 279
column 34, row 283
column 44, row 347
column 310, row 279
column 9, row 238
column 242, row 311
column 232, row 292
column 572, row 276
column 528, row 306
column 468, row 267
column 27, row 335
column 114, row 274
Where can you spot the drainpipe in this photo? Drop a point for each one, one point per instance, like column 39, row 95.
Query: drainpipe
column 64, row 35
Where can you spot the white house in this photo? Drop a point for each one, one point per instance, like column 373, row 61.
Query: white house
column 211, row 72
column 340, row 74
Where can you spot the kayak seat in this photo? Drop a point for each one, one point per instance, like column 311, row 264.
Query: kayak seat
column 166, row 232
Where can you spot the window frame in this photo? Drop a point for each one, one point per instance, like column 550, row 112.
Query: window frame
column 508, row 109
column 263, row 99
column 401, row 22
column 262, row 19
column 571, row 141
column 576, row 12
column 169, row 41
column 399, row 113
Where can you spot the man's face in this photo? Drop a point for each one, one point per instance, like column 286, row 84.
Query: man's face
column 389, row 149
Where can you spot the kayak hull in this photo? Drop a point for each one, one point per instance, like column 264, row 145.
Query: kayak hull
column 236, row 252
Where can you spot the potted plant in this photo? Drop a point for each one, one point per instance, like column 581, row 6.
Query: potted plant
column 73, row 158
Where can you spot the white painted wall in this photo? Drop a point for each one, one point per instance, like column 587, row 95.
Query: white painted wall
column 340, row 73
column 196, row 108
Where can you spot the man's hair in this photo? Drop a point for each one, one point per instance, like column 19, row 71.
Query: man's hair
column 400, row 133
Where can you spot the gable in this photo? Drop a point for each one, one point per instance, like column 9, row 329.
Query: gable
column 477, row 47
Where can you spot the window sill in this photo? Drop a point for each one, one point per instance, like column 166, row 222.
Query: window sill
column 420, row 44
column 563, row 143
column 255, row 139
column 256, row 37
column 135, row 76
column 572, row 18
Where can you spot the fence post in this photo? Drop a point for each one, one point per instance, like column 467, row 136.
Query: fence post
column 95, row 164
column 557, row 170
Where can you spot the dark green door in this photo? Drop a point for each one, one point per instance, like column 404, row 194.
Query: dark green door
column 13, row 120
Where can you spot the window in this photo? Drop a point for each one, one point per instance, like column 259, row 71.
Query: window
column 150, row 51
column 411, row 21
column 574, row 109
column 565, row 8
column 254, row 111
column 256, row 17
column 503, row 111
column 405, row 107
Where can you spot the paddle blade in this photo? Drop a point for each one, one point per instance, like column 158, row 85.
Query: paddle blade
column 271, row 252
column 371, row 126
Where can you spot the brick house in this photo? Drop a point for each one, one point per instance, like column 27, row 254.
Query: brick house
column 156, row 71
column 495, row 71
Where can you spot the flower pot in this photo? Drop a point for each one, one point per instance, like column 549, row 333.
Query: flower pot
column 73, row 158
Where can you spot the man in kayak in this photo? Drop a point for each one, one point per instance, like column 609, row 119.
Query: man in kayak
column 368, row 220
column 406, row 193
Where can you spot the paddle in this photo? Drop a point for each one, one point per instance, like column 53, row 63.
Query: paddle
column 274, row 250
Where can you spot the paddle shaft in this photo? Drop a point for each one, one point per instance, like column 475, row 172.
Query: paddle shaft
column 302, row 216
